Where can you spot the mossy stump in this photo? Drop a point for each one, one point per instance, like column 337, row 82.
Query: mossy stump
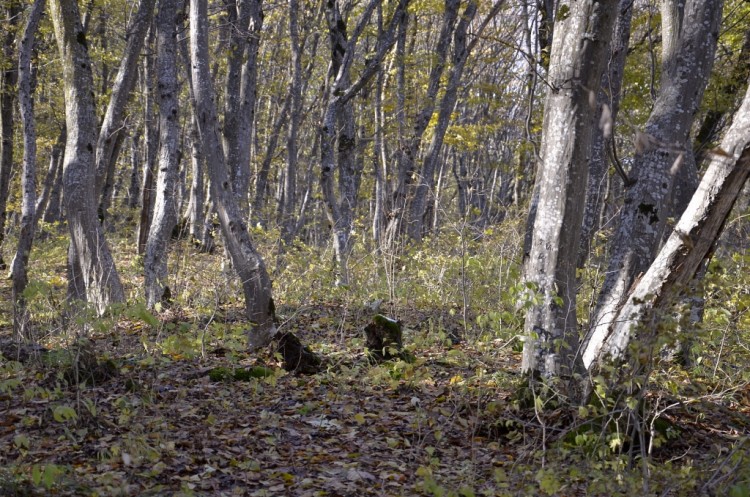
column 384, row 339
column 297, row 358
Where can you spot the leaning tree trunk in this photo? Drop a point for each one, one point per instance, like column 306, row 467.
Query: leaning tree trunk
column 410, row 147
column 28, row 180
column 7, row 124
column 579, row 52
column 690, row 244
column 165, row 204
column 660, row 155
column 112, row 130
column 89, row 249
column 256, row 284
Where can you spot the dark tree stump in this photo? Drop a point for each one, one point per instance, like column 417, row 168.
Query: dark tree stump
column 385, row 339
column 297, row 358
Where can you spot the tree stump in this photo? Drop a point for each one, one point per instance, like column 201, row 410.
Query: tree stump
column 297, row 358
column 384, row 339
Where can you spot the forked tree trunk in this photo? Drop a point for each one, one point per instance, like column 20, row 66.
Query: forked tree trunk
column 90, row 251
column 165, row 204
column 337, row 126
column 690, row 43
column 579, row 51
column 256, row 284
column 246, row 22
column 690, row 244
column 426, row 181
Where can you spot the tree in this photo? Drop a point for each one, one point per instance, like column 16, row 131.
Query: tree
column 256, row 284
column 337, row 127
column 95, row 269
column 112, row 133
column 29, row 208
column 663, row 155
column 7, row 105
column 579, row 50
column 692, row 241
column 165, row 204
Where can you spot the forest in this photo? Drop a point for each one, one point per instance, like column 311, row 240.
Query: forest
column 374, row 247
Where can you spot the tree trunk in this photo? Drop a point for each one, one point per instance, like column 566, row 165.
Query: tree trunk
column 250, row 268
column 7, row 104
column 691, row 242
column 165, row 205
column 28, row 180
column 447, row 104
column 295, row 95
column 52, row 213
column 338, row 124
column 112, row 129
column 239, row 111
column 609, row 95
column 579, row 51
column 410, row 146
column 660, row 153
column 91, row 252
column 151, row 133
column 48, row 185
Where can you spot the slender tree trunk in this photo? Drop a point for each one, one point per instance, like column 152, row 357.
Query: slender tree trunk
column 52, row 213
column 26, row 88
column 579, row 52
column 692, row 241
column 660, row 156
column 134, row 190
column 48, row 185
column 7, row 123
column 261, row 184
column 609, row 95
column 165, row 205
column 447, row 104
column 295, row 90
column 151, row 146
column 90, row 249
column 338, row 126
column 410, row 147
column 112, row 130
column 256, row 283
column 239, row 113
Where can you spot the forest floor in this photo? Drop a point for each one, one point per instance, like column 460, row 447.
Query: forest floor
column 146, row 419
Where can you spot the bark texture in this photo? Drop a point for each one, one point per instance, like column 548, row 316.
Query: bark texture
column 661, row 156
column 28, row 180
column 691, row 242
column 579, row 51
column 112, row 131
column 165, row 204
column 256, row 284
column 89, row 250
column 7, row 104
